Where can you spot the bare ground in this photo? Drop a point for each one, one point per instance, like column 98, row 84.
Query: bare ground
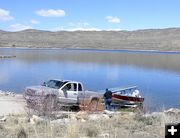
column 17, row 123
column 11, row 104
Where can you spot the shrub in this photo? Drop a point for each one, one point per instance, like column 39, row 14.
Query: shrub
column 21, row 133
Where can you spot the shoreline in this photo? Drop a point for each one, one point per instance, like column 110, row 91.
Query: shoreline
column 15, row 95
column 17, row 118
column 94, row 49
column 7, row 56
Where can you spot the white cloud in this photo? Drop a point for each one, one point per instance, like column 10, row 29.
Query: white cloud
column 76, row 29
column 113, row 19
column 71, row 24
column 86, row 24
column 5, row 15
column 19, row 27
column 35, row 22
column 78, row 24
column 84, row 29
column 90, row 29
column 83, row 23
column 51, row 13
column 115, row 29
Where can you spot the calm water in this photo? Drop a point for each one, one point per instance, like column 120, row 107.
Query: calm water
column 156, row 74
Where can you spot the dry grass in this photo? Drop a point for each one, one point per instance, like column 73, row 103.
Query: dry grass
column 124, row 125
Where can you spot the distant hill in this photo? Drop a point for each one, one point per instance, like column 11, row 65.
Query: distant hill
column 2, row 31
column 150, row 39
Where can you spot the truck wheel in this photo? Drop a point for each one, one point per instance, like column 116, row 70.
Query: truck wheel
column 93, row 105
column 49, row 104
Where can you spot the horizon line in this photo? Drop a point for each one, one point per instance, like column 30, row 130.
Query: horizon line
column 93, row 30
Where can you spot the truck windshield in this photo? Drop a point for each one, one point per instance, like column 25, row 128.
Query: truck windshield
column 53, row 84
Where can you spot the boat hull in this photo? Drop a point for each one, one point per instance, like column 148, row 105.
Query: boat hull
column 117, row 98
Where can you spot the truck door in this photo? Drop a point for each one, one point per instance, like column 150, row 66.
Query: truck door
column 70, row 92
column 81, row 94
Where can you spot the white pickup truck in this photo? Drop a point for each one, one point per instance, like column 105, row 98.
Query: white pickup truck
column 66, row 92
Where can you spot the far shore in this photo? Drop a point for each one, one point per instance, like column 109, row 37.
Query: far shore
column 164, row 40
column 7, row 56
column 80, row 49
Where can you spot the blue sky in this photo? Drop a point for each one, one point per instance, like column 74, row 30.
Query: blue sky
column 71, row 15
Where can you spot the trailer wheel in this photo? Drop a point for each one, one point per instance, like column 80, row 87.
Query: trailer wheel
column 93, row 104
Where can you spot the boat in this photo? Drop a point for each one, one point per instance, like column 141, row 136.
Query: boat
column 126, row 96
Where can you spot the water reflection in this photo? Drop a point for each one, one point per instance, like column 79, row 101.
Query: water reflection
column 157, row 75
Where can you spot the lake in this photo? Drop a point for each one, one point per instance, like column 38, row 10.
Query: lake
column 157, row 74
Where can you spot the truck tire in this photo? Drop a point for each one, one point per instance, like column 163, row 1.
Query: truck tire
column 49, row 104
column 93, row 104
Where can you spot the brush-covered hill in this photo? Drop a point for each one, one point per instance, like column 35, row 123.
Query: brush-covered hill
column 149, row 39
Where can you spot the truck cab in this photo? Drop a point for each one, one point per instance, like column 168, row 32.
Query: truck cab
column 71, row 92
column 68, row 91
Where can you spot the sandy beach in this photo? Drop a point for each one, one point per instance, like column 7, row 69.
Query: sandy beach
column 11, row 104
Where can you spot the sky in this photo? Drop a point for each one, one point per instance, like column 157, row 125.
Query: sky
column 71, row 15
